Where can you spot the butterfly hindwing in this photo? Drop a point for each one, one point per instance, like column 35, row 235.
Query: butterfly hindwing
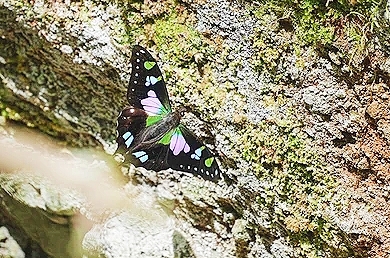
column 147, row 89
column 154, row 158
column 130, row 123
column 180, row 150
column 188, row 154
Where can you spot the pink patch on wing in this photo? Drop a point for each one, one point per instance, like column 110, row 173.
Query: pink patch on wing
column 152, row 94
column 186, row 148
column 152, row 104
column 178, row 143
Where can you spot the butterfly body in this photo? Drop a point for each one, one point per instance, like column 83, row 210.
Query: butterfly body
column 150, row 133
column 149, row 136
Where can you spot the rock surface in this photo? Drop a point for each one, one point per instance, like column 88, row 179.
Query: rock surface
column 294, row 98
column 9, row 247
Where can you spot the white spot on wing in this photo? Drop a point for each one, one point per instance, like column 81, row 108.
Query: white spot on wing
column 150, row 80
column 197, row 154
column 129, row 141
column 141, row 155
column 126, row 135
column 143, row 158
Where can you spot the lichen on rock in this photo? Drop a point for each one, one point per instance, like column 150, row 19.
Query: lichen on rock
column 292, row 95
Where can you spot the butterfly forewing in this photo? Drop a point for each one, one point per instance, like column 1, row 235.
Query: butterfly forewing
column 146, row 87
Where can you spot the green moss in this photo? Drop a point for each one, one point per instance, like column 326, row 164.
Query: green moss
column 309, row 18
column 267, row 55
column 8, row 113
column 314, row 23
column 178, row 41
column 298, row 185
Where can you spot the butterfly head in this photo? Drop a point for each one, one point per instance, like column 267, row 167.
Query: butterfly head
column 182, row 110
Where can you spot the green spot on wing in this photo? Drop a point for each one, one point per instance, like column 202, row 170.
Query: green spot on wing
column 209, row 161
column 152, row 120
column 167, row 137
column 149, row 64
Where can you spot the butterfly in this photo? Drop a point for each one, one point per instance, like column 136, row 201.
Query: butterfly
column 150, row 134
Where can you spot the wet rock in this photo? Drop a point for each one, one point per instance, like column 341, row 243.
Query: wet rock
column 9, row 248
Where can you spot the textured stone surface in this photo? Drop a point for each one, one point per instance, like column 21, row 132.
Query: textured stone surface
column 302, row 129
column 9, row 248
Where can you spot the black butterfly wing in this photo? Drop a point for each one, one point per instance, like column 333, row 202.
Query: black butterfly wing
column 147, row 89
column 152, row 159
column 188, row 154
column 149, row 102
column 131, row 123
column 179, row 149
